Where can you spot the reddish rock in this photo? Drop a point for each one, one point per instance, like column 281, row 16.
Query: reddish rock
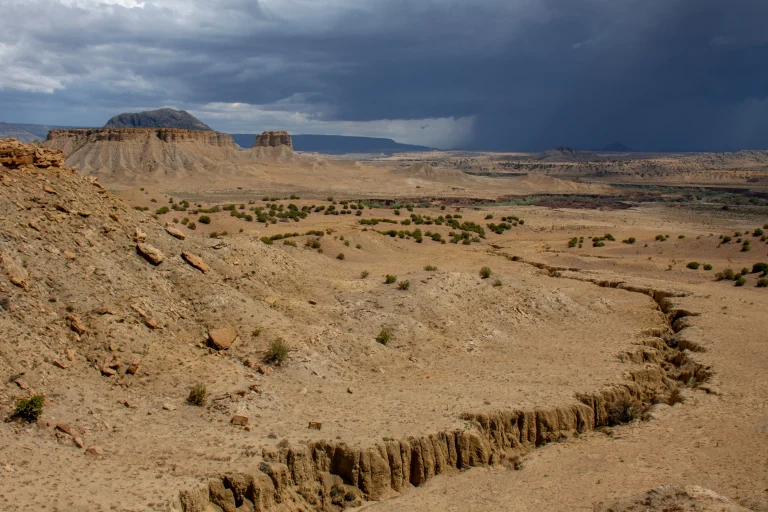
column 76, row 324
column 222, row 338
column 94, row 451
column 240, row 419
column 195, row 261
column 152, row 254
column 175, row 232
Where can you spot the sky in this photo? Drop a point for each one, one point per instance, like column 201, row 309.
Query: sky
column 470, row 74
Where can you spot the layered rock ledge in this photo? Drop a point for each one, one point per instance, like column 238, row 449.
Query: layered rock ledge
column 170, row 135
column 273, row 139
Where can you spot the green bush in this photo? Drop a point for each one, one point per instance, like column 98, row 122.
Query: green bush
column 726, row 274
column 430, row 268
column 277, row 352
column 573, row 242
column 266, row 240
column 744, row 271
column 390, row 279
column 740, row 281
column 707, row 267
column 762, row 283
column 204, row 219
column 693, row 265
column 29, row 409
column 340, row 256
column 485, row 272
column 162, row 211
column 197, row 394
column 256, row 331
column 364, row 274
column 403, row 285
column 497, row 283
column 760, row 267
column 630, row 240
column 384, row 336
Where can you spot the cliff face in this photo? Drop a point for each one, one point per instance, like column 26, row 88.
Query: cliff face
column 162, row 118
column 273, row 139
column 82, row 136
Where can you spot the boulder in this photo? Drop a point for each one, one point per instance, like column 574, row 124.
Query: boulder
column 239, row 419
column 175, row 232
column 222, row 338
column 195, row 261
column 152, row 254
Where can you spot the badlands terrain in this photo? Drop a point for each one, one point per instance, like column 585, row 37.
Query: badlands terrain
column 409, row 333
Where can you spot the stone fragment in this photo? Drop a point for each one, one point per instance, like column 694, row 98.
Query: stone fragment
column 78, row 441
column 76, row 324
column 152, row 254
column 315, row 425
column 169, row 407
column 222, row 338
column 64, row 427
column 59, row 364
column 70, row 355
column 114, row 217
column 94, row 451
column 16, row 273
column 240, row 419
column 175, row 232
column 195, row 261
column 139, row 236
column 153, row 323
column 49, row 190
column 133, row 367
column 70, row 255
column 350, row 390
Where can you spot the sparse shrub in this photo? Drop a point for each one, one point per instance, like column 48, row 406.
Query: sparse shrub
column 192, row 226
column 162, row 211
column 289, row 242
column 29, row 409
column 384, row 337
column 364, row 274
column 430, row 268
column 204, row 219
column 707, row 267
column 727, row 239
column 390, row 279
column 485, row 272
column 185, row 220
column 488, row 217
column 497, row 283
column 762, row 282
column 403, row 285
column 346, row 243
column 757, row 232
column 256, row 332
column 624, row 411
column 680, row 237
column 744, row 271
column 197, row 394
column 340, row 256
column 277, row 352
column 760, row 267
column 266, row 240
column 358, row 246
column 630, row 240
column 573, row 242
column 726, row 274
column 693, row 265
column 740, row 281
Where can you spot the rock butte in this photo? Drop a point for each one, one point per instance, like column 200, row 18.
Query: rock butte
column 273, row 139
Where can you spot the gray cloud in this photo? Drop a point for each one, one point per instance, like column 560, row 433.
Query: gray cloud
column 499, row 74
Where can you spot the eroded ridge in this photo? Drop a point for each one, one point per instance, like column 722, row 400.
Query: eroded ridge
column 332, row 476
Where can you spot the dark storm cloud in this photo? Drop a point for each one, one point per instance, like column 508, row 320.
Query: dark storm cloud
column 653, row 74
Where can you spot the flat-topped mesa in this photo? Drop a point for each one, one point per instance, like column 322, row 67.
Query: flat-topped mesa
column 273, row 139
column 15, row 154
column 136, row 134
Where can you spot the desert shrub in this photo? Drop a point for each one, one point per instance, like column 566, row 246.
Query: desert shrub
column 488, row 217
column 740, row 281
column 162, row 211
column 266, row 240
column 289, row 242
column 707, row 267
column 364, row 274
column 746, row 246
column 573, row 242
column 430, row 268
column 680, row 237
column 744, row 271
column 609, row 236
column 192, row 226
column 256, row 331
column 204, row 219
column 485, row 272
column 403, row 285
column 624, row 411
column 760, row 267
column 277, row 352
column 29, row 409
column 497, row 283
column 598, row 243
column 762, row 282
column 384, row 336
column 340, row 256
column 197, row 394
column 693, row 265
column 727, row 239
column 390, row 279
column 358, row 246
column 757, row 232
column 726, row 274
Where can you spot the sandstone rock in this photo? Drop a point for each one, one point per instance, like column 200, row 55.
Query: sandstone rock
column 78, row 441
column 49, row 190
column 152, row 254
column 94, row 451
column 70, row 255
column 16, row 273
column 153, row 323
column 64, row 427
column 107, row 371
column 222, row 338
column 76, row 324
column 273, row 139
column 175, row 232
column 14, row 154
column 114, row 216
column 315, row 425
column 168, row 407
column 59, row 364
column 133, row 367
column 350, row 390
column 70, row 355
column 195, row 261
column 239, row 419
column 83, row 136
column 139, row 236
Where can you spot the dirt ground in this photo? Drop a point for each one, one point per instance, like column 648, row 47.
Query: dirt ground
column 459, row 343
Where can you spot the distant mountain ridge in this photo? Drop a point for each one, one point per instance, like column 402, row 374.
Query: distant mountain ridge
column 161, row 118
column 27, row 132
column 337, row 144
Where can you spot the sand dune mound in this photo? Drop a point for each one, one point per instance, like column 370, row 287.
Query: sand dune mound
column 425, row 171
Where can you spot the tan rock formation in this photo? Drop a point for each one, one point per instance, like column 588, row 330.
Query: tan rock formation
column 273, row 139
column 77, row 137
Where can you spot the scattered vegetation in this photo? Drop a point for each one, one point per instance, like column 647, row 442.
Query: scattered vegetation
column 204, row 219
column 707, row 267
column 430, row 268
column 390, row 279
column 485, row 272
column 693, row 265
column 740, row 281
column 384, row 336
column 197, row 394
column 29, row 409
column 277, row 352
column 624, row 411
column 631, row 240
column 403, row 285
column 340, row 256
column 497, row 283
column 364, row 274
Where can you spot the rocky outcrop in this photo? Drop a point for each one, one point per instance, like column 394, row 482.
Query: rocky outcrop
column 332, row 476
column 79, row 137
column 161, row 118
column 15, row 154
column 273, row 139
